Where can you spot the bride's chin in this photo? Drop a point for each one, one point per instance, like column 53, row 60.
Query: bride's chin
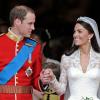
column 77, row 44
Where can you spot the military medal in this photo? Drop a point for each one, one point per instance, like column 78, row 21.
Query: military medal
column 29, row 70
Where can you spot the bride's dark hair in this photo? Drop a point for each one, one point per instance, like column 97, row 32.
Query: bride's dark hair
column 93, row 40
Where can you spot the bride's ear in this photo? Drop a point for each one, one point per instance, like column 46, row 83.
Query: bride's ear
column 90, row 36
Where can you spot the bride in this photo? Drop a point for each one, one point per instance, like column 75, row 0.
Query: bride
column 80, row 67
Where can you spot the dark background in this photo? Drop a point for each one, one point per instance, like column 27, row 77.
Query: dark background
column 58, row 16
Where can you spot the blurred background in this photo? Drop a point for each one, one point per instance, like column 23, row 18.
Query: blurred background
column 58, row 16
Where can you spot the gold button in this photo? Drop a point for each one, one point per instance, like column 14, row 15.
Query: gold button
column 17, row 45
column 16, row 82
column 17, row 78
column 17, row 50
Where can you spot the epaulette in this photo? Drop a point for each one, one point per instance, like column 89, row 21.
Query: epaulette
column 30, row 42
column 2, row 34
column 34, row 40
column 31, row 39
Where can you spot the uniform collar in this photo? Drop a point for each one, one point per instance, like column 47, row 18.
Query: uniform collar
column 13, row 36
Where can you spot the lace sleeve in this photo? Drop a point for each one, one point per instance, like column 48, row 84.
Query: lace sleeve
column 60, row 87
column 98, row 94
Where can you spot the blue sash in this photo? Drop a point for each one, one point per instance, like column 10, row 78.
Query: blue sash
column 12, row 68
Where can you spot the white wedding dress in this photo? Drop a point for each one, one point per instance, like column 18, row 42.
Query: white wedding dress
column 76, row 84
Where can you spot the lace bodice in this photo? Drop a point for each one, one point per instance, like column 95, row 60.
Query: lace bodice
column 80, row 84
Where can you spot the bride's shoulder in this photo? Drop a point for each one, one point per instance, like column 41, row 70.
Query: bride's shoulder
column 65, row 61
column 96, row 55
column 65, row 58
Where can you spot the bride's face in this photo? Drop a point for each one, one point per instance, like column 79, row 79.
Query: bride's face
column 81, row 35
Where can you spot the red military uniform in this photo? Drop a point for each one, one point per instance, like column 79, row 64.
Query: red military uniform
column 9, row 47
